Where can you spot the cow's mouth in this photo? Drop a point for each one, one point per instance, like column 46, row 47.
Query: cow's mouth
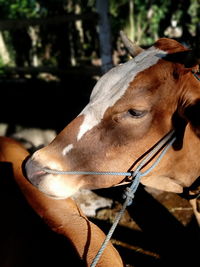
column 36, row 174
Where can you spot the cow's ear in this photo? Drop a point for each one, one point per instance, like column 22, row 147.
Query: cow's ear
column 188, row 58
column 191, row 113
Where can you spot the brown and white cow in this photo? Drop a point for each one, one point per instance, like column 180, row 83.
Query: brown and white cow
column 131, row 107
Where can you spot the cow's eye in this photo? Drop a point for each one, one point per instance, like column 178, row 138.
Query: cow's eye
column 136, row 113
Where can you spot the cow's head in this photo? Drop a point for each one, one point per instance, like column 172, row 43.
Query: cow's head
column 131, row 107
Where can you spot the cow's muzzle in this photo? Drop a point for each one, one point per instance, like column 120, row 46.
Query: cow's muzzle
column 33, row 171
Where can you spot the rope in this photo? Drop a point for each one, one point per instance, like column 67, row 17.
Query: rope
column 129, row 195
column 164, row 144
column 87, row 173
column 197, row 76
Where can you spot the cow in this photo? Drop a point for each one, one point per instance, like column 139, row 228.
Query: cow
column 130, row 109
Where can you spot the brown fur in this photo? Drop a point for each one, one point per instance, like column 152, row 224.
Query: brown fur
column 169, row 94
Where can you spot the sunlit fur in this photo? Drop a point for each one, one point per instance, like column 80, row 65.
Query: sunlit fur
column 105, row 137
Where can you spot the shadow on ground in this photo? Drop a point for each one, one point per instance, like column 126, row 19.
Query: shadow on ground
column 156, row 238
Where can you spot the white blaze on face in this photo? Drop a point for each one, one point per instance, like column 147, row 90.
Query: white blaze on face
column 113, row 85
column 67, row 149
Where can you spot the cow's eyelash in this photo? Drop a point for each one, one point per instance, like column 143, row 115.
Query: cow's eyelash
column 136, row 113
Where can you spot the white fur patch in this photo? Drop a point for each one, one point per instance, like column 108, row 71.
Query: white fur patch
column 67, row 149
column 113, row 85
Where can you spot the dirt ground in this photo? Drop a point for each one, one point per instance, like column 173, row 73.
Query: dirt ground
column 159, row 229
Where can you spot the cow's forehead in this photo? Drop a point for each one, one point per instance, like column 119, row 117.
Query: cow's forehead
column 113, row 85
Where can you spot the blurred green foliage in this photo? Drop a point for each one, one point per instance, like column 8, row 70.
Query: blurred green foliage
column 144, row 21
column 152, row 17
column 10, row 9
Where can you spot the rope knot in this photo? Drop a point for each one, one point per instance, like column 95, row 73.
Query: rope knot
column 129, row 194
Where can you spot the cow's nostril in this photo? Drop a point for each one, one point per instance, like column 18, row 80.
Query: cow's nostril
column 32, row 169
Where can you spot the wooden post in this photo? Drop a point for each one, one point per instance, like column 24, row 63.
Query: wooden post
column 104, row 35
